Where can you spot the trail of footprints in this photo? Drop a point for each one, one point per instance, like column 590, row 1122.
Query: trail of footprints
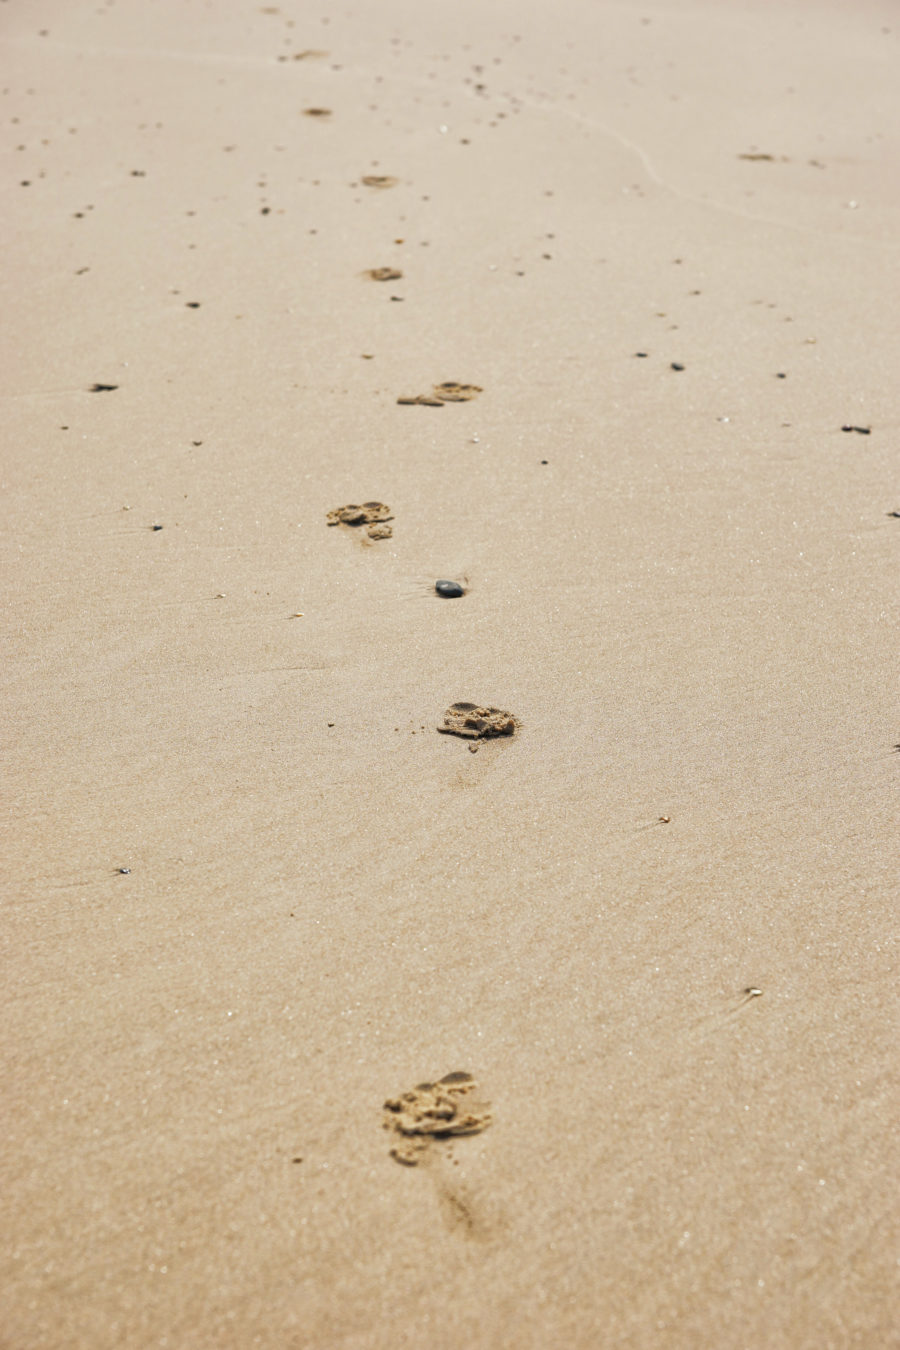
column 419, row 1119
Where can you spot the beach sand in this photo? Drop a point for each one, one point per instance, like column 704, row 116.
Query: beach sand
column 655, row 922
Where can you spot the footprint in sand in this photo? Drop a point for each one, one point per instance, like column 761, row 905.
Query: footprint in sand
column 448, row 392
column 374, row 515
column 424, row 1124
column 383, row 273
column 433, row 1111
column 477, row 722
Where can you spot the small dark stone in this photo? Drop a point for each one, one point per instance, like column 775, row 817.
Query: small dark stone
column 894, row 514
column 780, row 375
column 449, row 590
column 676, row 365
column 545, row 461
column 640, row 353
column 192, row 304
column 102, row 388
column 862, row 431
column 124, row 871
column 156, row 527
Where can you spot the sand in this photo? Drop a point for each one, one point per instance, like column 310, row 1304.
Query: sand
column 251, row 892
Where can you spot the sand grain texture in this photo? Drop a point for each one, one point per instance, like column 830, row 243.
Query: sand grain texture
column 249, row 892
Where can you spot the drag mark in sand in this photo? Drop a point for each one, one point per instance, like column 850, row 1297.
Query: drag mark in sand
column 731, row 1007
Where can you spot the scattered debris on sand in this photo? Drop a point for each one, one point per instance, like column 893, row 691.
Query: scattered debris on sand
column 476, row 722
column 433, row 1111
column 374, row 515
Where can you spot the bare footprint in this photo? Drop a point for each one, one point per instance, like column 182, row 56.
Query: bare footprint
column 452, row 392
column 448, row 392
column 374, row 515
column 432, row 1111
column 383, row 273
column 476, row 722
column 425, row 1124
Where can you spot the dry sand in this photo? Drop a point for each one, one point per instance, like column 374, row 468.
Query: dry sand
column 682, row 583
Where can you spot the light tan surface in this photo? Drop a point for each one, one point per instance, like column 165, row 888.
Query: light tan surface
column 691, row 608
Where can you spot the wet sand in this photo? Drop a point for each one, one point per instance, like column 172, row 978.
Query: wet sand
column 252, row 893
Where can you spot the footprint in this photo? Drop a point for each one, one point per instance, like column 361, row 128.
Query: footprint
column 374, row 515
column 473, row 721
column 432, row 1111
column 452, row 392
column 448, row 392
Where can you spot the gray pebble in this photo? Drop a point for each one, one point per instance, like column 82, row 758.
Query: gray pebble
column 449, row 590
